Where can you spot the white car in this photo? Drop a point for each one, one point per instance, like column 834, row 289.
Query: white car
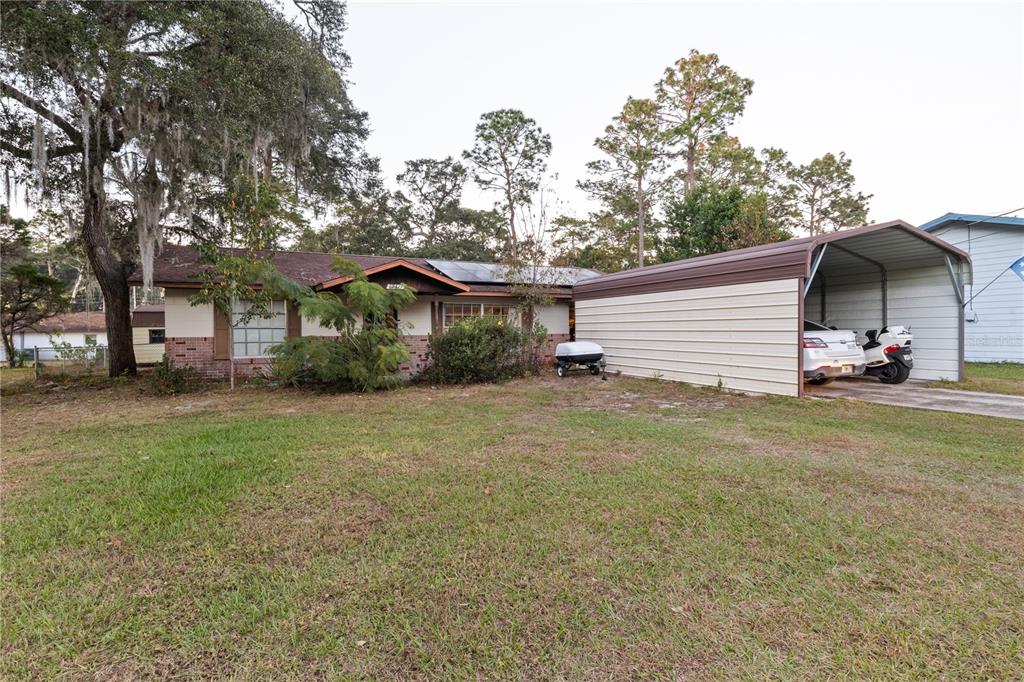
column 830, row 353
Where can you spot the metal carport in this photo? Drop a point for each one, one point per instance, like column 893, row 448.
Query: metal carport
column 733, row 319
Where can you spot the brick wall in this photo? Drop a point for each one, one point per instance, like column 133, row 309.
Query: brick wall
column 197, row 352
column 418, row 347
column 549, row 349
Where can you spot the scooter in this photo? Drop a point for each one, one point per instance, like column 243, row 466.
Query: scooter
column 888, row 354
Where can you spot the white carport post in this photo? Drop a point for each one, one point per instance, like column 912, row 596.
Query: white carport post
column 957, row 285
column 814, row 269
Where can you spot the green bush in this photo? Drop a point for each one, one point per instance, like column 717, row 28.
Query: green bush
column 367, row 360
column 168, row 379
column 480, row 350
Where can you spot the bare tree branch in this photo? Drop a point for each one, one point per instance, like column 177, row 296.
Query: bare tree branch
column 52, row 153
column 41, row 109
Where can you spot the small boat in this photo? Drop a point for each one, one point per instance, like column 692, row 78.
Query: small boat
column 579, row 353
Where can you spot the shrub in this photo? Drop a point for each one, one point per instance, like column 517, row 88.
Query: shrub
column 366, row 360
column 478, row 350
column 168, row 379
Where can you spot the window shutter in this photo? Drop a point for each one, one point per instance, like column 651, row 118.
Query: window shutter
column 294, row 324
column 221, row 336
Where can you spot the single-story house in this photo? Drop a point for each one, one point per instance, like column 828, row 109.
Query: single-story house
column 74, row 329
column 446, row 292
column 148, row 333
column 735, row 319
column 994, row 309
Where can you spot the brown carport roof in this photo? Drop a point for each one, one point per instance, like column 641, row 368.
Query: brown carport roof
column 780, row 260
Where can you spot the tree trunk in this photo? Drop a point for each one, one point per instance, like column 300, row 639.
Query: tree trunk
column 9, row 348
column 691, row 166
column 640, row 221
column 110, row 272
column 513, row 239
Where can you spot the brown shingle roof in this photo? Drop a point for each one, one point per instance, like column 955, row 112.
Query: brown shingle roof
column 179, row 265
column 92, row 321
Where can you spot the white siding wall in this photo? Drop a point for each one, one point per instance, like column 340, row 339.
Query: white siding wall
column 30, row 340
column 183, row 319
column 998, row 333
column 145, row 351
column 921, row 298
column 742, row 335
column 852, row 301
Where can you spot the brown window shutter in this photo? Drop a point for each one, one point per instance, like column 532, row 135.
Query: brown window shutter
column 294, row 322
column 221, row 335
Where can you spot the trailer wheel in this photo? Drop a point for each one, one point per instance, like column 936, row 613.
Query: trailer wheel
column 562, row 371
column 595, row 370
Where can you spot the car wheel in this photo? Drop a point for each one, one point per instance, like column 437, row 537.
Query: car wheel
column 894, row 373
column 821, row 381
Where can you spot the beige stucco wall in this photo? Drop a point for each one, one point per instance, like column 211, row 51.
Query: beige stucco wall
column 183, row 319
column 555, row 317
column 314, row 328
column 414, row 320
column 742, row 335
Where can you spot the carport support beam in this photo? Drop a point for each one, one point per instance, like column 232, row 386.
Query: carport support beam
column 885, row 281
column 954, row 280
column 814, row 268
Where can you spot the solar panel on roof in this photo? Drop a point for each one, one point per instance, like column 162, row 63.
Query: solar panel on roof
column 497, row 273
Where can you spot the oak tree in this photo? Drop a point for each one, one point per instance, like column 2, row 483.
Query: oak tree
column 152, row 103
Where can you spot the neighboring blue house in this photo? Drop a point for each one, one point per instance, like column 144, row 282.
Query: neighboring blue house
column 994, row 319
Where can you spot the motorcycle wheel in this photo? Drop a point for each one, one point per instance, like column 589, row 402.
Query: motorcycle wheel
column 893, row 373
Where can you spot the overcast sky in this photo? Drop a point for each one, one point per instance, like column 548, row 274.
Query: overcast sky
column 927, row 99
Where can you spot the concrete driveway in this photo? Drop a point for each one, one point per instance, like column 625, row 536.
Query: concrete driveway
column 917, row 394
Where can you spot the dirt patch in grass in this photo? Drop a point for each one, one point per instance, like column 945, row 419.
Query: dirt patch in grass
column 301, row 525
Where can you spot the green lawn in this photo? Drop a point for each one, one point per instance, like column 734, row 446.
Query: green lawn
column 540, row 529
column 989, row 377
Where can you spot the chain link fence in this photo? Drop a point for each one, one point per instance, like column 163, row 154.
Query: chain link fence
column 67, row 360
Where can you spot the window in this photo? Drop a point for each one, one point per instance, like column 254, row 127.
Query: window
column 253, row 338
column 90, row 339
column 456, row 312
column 156, row 335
